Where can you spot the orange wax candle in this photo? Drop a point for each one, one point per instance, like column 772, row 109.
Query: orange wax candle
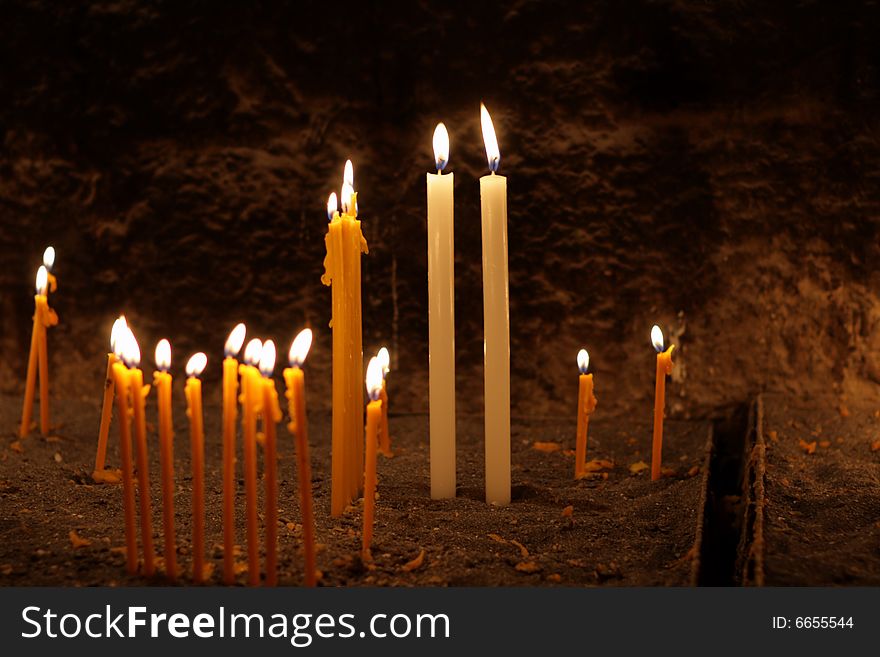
column 271, row 417
column 384, row 435
column 38, row 358
column 296, row 401
column 162, row 384
column 120, row 382
column 230, row 409
column 664, row 368
column 374, row 419
column 342, row 271
column 586, row 406
column 250, row 394
column 107, row 408
column 194, row 367
column 138, row 394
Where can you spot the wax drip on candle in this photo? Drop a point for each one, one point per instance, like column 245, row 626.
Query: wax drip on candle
column 234, row 341
column 163, row 355
column 493, row 153
column 299, row 348
column 657, row 338
column 252, row 352
column 374, row 379
column 441, row 146
column 49, row 258
column 583, row 359
column 332, row 206
column 196, row 365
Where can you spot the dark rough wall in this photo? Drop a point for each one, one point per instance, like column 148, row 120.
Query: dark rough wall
column 712, row 167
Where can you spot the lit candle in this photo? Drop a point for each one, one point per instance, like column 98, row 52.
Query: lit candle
column 342, row 271
column 122, row 349
column 384, row 432
column 162, row 383
column 296, row 404
column 49, row 264
column 441, row 321
column 250, row 395
column 374, row 419
column 586, row 406
column 230, row 408
column 664, row 367
column 138, row 395
column 271, row 417
column 100, row 475
column 194, row 368
column 496, row 340
column 44, row 317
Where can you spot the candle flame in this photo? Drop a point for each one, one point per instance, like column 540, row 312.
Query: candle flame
column 441, row 146
column 492, row 152
column 49, row 257
column 374, row 378
column 299, row 348
column 384, row 361
column 196, row 365
column 657, row 338
column 347, row 192
column 42, row 279
column 129, row 351
column 115, row 333
column 348, row 173
column 332, row 206
column 252, row 352
column 235, row 340
column 267, row 358
column 583, row 361
column 163, row 355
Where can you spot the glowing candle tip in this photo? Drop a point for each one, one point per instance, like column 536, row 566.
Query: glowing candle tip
column 49, row 257
column 163, row 355
column 374, row 378
column 299, row 348
column 493, row 153
column 332, row 206
column 583, row 360
column 657, row 338
column 384, row 360
column 42, row 279
column 196, row 365
column 267, row 358
column 441, row 146
column 234, row 341
column 252, row 352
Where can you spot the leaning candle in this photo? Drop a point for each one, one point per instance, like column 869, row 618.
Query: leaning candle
column 44, row 317
column 296, row 404
column 384, row 433
column 441, row 321
column 162, row 384
column 230, row 407
column 194, row 368
column 249, row 396
column 496, row 319
column 342, row 271
column 374, row 418
column 99, row 474
column 271, row 417
column 138, row 393
column 664, row 367
column 120, row 383
column 586, row 406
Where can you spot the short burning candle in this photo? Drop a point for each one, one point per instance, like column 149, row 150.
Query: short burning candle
column 250, row 403
column 296, row 400
column 100, row 475
column 230, row 408
column 441, row 321
column 44, row 317
column 271, row 417
column 664, row 368
column 586, row 406
column 194, row 368
column 138, row 403
column 496, row 319
column 342, row 271
column 374, row 419
column 384, row 432
column 162, row 384
column 123, row 352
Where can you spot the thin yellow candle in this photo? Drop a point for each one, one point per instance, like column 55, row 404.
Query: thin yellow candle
column 441, row 321
column 271, row 417
column 44, row 317
column 230, row 408
column 664, row 368
column 100, row 475
column 250, row 395
column 138, row 395
column 496, row 319
column 384, row 432
column 296, row 401
column 162, row 384
column 374, row 419
column 586, row 406
column 342, row 271
column 194, row 368
column 120, row 383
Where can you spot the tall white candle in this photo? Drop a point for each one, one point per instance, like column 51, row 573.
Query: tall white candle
column 441, row 321
column 496, row 321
